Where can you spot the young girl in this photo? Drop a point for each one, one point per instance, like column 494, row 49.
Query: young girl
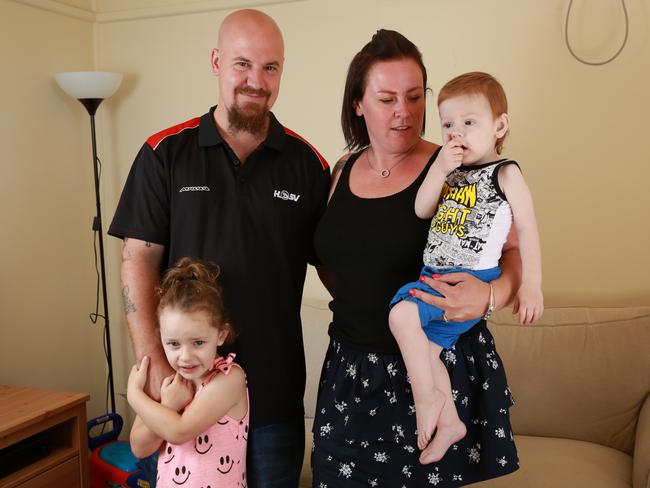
column 201, row 440
column 475, row 196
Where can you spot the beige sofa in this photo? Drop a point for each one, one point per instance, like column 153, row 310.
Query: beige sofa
column 581, row 381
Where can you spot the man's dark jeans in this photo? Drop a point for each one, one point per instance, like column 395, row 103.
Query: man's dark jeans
column 275, row 454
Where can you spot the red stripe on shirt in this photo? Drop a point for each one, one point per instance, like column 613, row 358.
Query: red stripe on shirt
column 322, row 160
column 156, row 139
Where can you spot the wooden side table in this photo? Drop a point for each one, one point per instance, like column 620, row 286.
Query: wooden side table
column 59, row 420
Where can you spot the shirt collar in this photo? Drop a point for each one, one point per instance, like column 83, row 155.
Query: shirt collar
column 210, row 136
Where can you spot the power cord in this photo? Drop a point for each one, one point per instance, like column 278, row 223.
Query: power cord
column 95, row 316
column 594, row 63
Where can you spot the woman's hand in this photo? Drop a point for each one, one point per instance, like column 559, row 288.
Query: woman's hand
column 464, row 297
column 176, row 392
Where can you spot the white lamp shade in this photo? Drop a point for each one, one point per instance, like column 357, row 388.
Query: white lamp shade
column 89, row 84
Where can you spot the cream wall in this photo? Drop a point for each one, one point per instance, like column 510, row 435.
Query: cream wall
column 578, row 131
column 47, row 203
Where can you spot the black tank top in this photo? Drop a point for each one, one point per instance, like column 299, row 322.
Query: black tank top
column 373, row 246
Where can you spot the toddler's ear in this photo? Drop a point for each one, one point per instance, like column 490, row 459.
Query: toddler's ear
column 502, row 123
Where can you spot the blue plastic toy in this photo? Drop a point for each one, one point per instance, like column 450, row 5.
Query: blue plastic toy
column 112, row 464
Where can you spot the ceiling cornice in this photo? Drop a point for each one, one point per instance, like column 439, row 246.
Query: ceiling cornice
column 102, row 17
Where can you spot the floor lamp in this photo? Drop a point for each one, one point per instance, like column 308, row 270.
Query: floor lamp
column 91, row 88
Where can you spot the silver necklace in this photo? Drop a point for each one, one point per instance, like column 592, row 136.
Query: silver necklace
column 384, row 173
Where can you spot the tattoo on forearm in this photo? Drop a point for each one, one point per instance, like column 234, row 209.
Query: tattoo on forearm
column 129, row 306
column 126, row 254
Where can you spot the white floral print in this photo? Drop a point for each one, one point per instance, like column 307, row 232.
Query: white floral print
column 449, row 357
column 346, row 469
column 434, row 479
column 381, row 457
column 475, row 453
column 326, row 430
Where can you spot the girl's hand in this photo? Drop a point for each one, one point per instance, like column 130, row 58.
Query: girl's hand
column 176, row 392
column 137, row 378
column 529, row 304
column 464, row 297
column 451, row 155
column 158, row 369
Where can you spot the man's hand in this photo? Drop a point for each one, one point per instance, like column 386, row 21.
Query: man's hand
column 464, row 297
column 176, row 392
column 529, row 304
column 159, row 369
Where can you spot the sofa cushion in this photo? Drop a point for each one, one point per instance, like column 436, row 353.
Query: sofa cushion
column 565, row 463
column 579, row 373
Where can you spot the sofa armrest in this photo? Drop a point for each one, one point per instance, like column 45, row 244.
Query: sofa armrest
column 641, row 464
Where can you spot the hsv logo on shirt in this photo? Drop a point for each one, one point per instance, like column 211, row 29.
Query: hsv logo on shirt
column 285, row 195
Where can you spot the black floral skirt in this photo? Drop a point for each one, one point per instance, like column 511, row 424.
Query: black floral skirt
column 365, row 430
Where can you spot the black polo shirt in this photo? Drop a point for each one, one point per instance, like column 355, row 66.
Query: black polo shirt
column 187, row 191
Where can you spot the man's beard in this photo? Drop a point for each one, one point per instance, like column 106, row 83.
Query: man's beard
column 249, row 117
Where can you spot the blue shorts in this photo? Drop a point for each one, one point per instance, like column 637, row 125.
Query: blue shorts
column 445, row 334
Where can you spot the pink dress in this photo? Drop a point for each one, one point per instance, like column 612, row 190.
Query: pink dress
column 215, row 458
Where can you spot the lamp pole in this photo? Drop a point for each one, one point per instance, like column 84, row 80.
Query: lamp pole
column 91, row 88
column 91, row 105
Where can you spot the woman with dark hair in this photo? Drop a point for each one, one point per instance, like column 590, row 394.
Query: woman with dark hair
column 365, row 429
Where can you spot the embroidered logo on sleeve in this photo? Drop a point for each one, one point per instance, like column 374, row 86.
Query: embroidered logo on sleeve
column 194, row 188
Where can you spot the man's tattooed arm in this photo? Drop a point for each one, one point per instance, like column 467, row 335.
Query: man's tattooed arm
column 129, row 306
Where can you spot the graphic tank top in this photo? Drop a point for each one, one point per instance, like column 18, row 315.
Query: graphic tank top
column 373, row 246
column 472, row 221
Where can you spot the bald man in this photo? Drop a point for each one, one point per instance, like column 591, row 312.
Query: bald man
column 237, row 188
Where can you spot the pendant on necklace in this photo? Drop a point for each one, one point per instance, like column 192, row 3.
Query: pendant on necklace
column 385, row 173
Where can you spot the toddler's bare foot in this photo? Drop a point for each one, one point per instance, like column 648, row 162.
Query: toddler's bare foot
column 446, row 435
column 427, row 414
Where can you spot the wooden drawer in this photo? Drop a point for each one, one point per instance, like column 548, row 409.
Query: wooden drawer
column 65, row 475
column 59, row 419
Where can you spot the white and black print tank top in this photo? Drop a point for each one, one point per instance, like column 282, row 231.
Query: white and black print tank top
column 473, row 219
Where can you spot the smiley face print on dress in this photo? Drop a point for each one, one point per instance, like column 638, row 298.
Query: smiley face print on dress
column 181, row 473
column 168, row 452
column 225, row 464
column 242, row 483
column 201, row 444
column 245, row 433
